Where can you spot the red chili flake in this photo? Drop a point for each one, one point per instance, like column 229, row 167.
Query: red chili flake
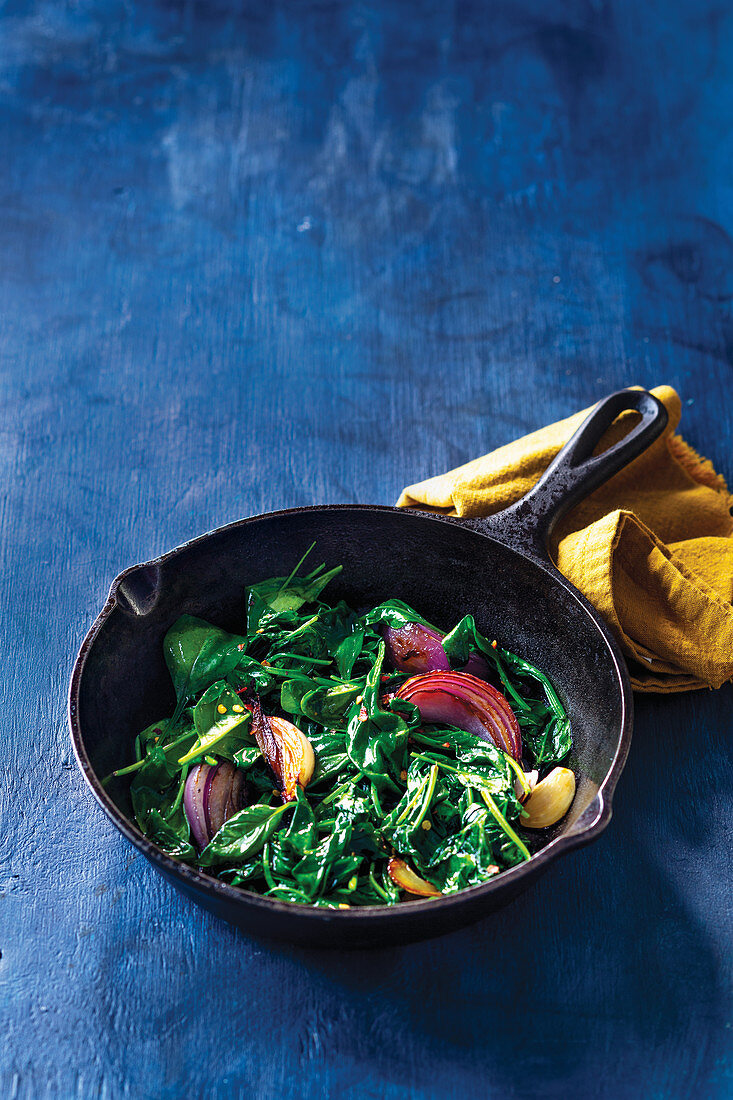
column 266, row 664
column 240, row 647
column 384, row 676
column 446, row 744
column 363, row 714
column 493, row 646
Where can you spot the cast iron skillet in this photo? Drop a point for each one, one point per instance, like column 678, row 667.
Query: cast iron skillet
column 496, row 568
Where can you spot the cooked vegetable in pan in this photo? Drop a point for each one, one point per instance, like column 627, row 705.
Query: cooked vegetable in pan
column 338, row 758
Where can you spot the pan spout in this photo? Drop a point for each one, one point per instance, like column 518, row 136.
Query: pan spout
column 136, row 591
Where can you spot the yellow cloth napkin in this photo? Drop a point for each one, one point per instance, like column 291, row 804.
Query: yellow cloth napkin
column 651, row 549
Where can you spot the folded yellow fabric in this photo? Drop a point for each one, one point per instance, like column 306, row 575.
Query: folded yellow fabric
column 651, row 549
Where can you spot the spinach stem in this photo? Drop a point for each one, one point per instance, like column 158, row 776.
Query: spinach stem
column 139, row 763
column 287, row 580
column 496, row 812
column 179, row 796
column 266, row 865
column 428, row 795
column 303, row 627
column 519, row 772
column 375, row 885
column 348, row 783
column 299, row 657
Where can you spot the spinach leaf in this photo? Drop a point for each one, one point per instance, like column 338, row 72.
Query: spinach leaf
column 466, row 858
column 487, row 787
column 243, row 835
column 488, row 763
column 302, row 832
column 224, row 732
column 197, row 654
column 317, row 868
column 280, row 596
column 401, row 826
column 157, row 799
column 251, row 674
column 292, row 692
column 246, row 756
column 327, row 706
column 548, row 742
column 289, row 846
column 157, row 780
column 394, row 613
column 332, row 758
column 171, row 839
column 152, row 733
column 343, row 637
column 354, row 807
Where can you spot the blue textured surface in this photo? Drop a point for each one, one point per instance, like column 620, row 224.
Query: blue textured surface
column 306, row 254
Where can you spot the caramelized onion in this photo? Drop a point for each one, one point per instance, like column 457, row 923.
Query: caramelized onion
column 462, row 700
column 296, row 754
column 288, row 752
column 402, row 875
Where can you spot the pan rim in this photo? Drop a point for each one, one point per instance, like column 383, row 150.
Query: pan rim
column 190, row 877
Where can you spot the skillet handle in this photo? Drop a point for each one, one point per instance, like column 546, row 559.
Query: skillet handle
column 576, row 472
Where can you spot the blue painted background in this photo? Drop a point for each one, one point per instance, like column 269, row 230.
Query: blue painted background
column 270, row 254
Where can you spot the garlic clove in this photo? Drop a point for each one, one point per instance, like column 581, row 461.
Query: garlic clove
column 550, row 800
column 403, row 876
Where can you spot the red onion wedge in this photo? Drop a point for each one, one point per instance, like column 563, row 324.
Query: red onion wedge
column 213, row 793
column 217, row 795
column 416, row 648
column 237, row 795
column 477, row 665
column 462, row 700
column 193, row 803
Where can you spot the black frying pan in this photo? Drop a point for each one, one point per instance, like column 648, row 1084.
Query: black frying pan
column 496, row 568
